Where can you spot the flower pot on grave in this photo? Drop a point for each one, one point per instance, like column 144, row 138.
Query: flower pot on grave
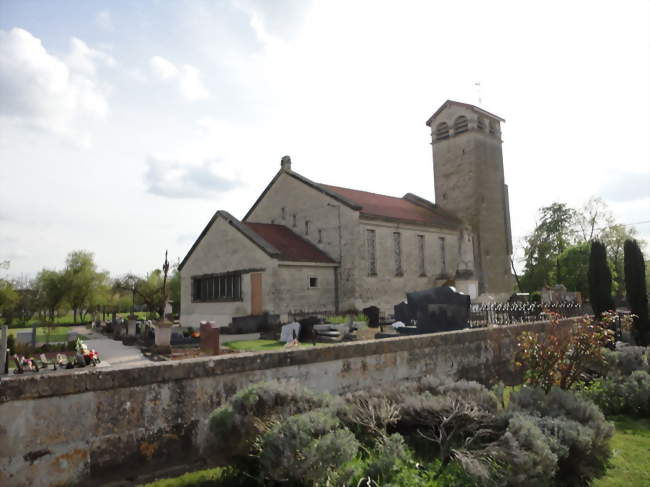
column 163, row 330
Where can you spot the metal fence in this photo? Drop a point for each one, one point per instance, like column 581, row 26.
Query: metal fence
column 512, row 313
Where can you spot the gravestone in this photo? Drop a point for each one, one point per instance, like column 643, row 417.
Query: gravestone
column 439, row 309
column 209, row 335
column 402, row 313
column 372, row 312
column 289, row 332
column 307, row 332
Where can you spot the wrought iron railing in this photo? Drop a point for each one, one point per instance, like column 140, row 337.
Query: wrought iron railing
column 513, row 313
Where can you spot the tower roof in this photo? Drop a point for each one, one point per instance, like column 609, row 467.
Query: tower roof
column 474, row 108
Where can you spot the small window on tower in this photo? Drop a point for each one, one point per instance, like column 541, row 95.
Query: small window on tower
column 306, row 227
column 284, row 213
column 313, row 282
column 442, row 131
column 480, row 124
column 460, row 125
column 293, row 217
column 320, row 236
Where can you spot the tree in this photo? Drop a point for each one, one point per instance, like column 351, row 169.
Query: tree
column 574, row 262
column 637, row 297
column 175, row 289
column 51, row 290
column 600, row 280
column 84, row 282
column 614, row 238
column 552, row 235
column 9, row 298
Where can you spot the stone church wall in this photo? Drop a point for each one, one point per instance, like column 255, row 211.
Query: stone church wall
column 386, row 289
column 322, row 213
column 223, row 249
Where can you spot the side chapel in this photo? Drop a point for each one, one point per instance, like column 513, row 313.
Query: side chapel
column 306, row 247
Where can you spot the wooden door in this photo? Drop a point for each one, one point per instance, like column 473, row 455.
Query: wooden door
column 256, row 293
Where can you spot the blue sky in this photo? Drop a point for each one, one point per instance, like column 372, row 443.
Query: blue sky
column 125, row 125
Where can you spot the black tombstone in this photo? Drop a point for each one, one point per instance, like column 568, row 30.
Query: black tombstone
column 403, row 313
column 439, row 309
column 372, row 312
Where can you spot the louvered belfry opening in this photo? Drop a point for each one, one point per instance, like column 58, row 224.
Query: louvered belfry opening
column 442, row 131
column 460, row 125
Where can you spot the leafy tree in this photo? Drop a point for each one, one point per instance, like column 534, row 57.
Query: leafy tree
column 51, row 291
column 600, row 279
column 552, row 235
column 593, row 219
column 637, row 297
column 175, row 289
column 574, row 262
column 148, row 290
column 83, row 281
column 614, row 238
column 8, row 298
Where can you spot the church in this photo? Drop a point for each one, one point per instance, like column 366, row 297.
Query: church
column 306, row 247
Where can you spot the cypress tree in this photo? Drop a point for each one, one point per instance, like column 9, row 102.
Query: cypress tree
column 600, row 279
column 635, row 286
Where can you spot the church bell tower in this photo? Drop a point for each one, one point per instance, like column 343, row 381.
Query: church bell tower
column 469, row 182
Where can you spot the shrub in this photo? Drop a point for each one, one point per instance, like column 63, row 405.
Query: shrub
column 576, row 429
column 635, row 287
column 600, row 279
column 520, row 457
column 625, row 360
column 389, row 457
column 306, row 448
column 369, row 416
column 561, row 357
column 627, row 395
column 469, row 391
column 255, row 409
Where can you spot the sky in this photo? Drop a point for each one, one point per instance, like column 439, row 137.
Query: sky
column 124, row 125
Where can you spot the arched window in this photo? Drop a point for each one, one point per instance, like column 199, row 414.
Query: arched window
column 442, row 131
column 460, row 125
column 480, row 124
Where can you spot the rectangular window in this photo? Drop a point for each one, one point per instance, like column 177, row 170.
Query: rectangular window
column 443, row 256
column 372, row 257
column 284, row 213
column 293, row 217
column 218, row 287
column 306, row 227
column 397, row 253
column 420, row 239
column 320, row 236
column 313, row 282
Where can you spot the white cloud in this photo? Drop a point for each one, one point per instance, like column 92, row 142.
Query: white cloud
column 48, row 92
column 104, row 21
column 84, row 60
column 163, row 68
column 188, row 78
column 173, row 179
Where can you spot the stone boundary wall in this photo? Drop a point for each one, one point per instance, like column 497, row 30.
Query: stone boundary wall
column 91, row 427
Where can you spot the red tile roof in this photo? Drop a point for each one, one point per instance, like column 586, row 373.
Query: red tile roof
column 393, row 208
column 291, row 246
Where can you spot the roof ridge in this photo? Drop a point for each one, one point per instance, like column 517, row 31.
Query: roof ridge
column 363, row 191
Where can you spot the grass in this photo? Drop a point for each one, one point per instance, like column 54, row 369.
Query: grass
column 213, row 477
column 630, row 462
column 60, row 334
column 259, row 345
column 68, row 319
